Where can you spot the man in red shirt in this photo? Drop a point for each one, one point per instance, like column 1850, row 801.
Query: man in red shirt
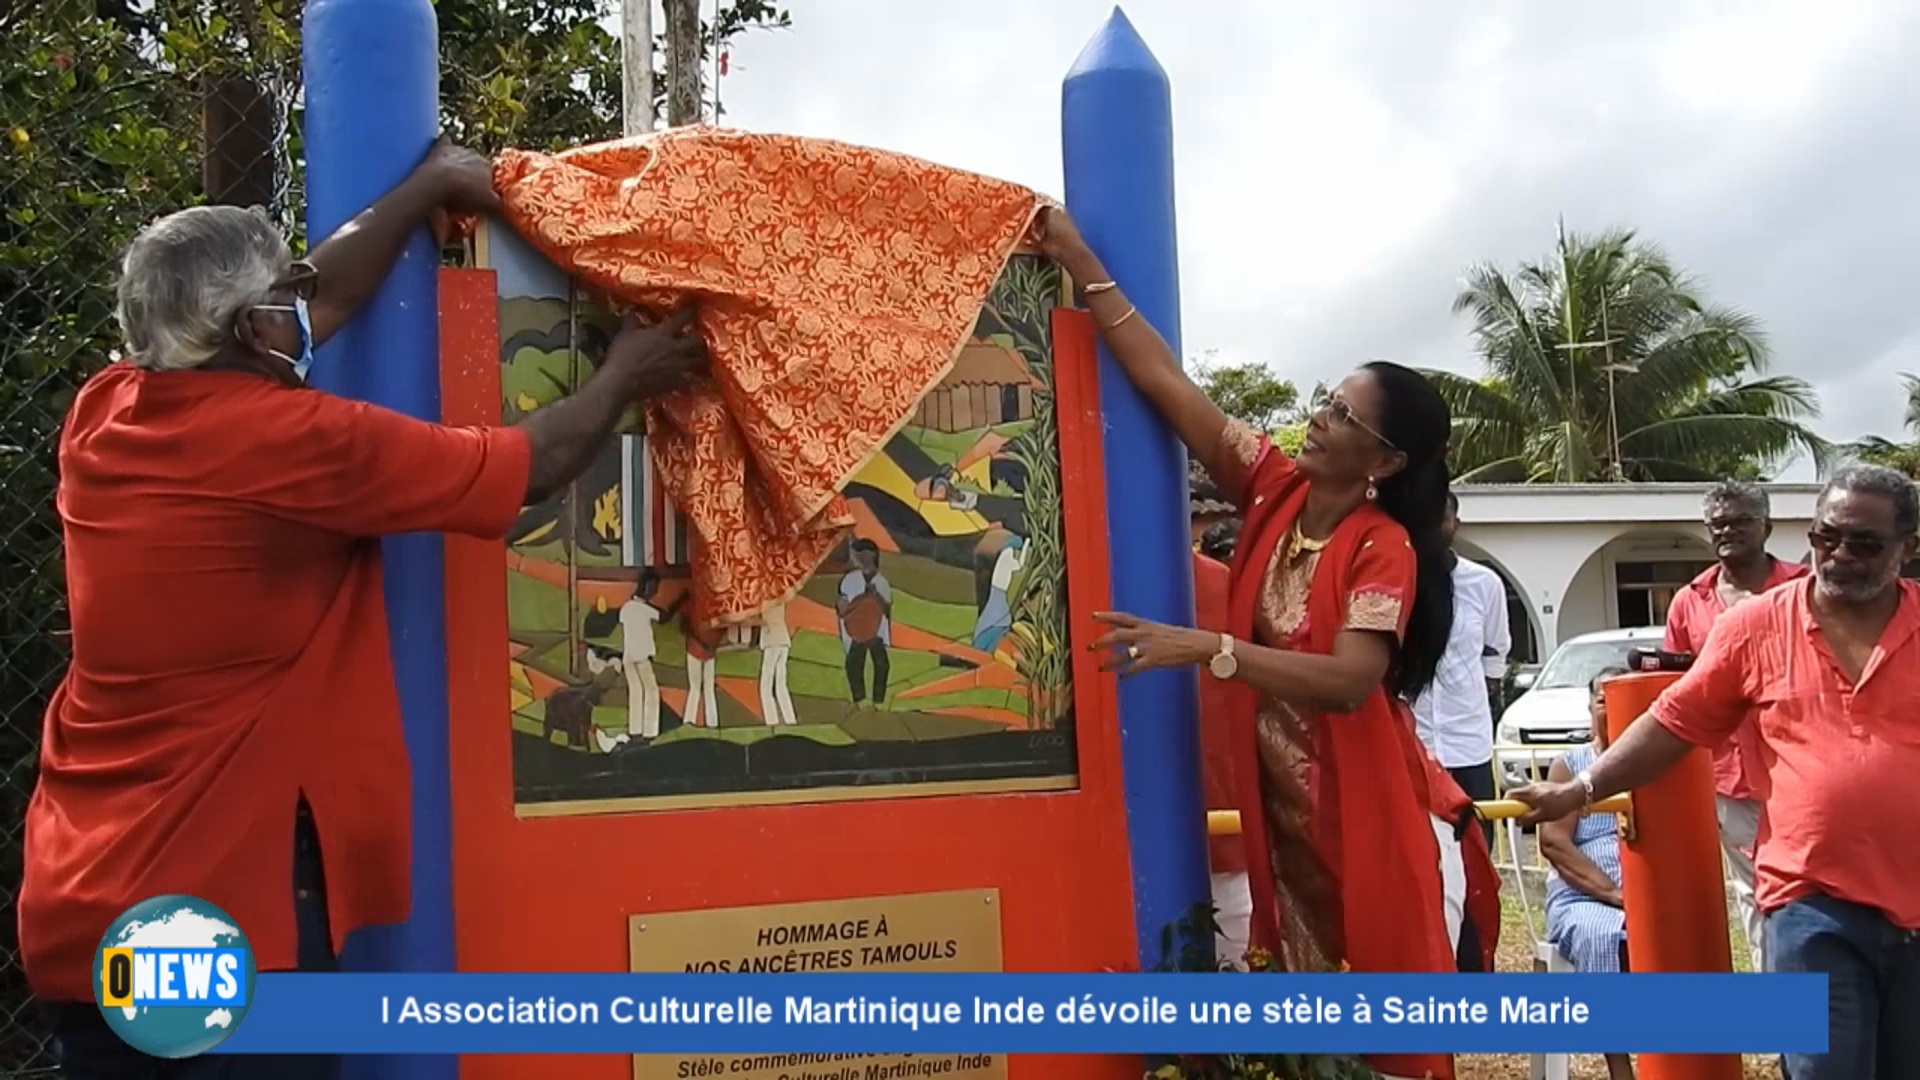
column 228, row 727
column 1226, row 855
column 1739, row 517
column 1828, row 672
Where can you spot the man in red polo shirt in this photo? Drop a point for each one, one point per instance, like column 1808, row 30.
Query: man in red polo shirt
column 228, row 727
column 1828, row 672
column 1739, row 517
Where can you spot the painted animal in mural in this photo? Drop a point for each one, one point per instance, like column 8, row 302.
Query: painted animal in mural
column 570, row 711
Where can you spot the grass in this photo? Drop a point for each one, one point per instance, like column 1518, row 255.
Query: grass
column 535, row 605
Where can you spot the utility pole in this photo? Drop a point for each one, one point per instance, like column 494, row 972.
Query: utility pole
column 1607, row 341
column 1616, row 470
column 636, row 66
column 1566, row 322
column 683, row 62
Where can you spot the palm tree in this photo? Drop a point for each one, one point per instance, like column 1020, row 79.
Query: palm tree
column 1606, row 364
column 1904, row 456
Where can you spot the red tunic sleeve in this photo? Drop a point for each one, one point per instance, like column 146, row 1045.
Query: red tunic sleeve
column 1380, row 596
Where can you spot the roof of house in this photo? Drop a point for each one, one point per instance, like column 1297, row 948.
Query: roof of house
column 989, row 363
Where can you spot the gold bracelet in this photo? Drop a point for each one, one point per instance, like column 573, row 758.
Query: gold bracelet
column 1097, row 287
column 1131, row 312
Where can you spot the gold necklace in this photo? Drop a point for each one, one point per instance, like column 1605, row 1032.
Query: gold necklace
column 1297, row 542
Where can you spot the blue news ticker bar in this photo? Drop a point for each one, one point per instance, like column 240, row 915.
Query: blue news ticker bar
column 1052, row 1013
column 188, row 978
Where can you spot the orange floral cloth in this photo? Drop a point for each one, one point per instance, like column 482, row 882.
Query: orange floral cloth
column 836, row 286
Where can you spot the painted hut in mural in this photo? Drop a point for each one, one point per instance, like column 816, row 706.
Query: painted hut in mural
column 989, row 385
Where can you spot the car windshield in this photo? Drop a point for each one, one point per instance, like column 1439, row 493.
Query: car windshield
column 1577, row 663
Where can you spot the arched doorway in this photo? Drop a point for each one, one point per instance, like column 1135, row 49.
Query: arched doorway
column 1631, row 580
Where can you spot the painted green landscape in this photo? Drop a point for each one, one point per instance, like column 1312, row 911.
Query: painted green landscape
column 930, row 647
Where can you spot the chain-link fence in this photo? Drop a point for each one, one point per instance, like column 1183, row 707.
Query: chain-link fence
column 114, row 113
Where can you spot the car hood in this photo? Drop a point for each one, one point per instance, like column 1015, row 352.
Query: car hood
column 1549, row 710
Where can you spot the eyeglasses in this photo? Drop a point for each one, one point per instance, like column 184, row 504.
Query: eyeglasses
column 1341, row 413
column 1860, row 545
column 1729, row 524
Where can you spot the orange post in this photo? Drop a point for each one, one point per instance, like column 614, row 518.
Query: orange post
column 1675, row 896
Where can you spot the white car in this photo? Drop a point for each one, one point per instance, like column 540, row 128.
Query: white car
column 1553, row 711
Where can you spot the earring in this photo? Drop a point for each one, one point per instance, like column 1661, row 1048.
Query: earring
column 1372, row 492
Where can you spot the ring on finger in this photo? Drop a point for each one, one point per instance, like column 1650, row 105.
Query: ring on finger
column 1133, row 652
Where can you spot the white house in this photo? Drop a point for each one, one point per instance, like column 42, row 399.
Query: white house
column 1585, row 557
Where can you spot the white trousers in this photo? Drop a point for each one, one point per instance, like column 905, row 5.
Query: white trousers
column 700, row 691
column 776, row 703
column 1739, row 828
column 643, row 699
column 1453, row 879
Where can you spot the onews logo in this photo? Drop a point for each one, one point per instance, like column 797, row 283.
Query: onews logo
column 174, row 976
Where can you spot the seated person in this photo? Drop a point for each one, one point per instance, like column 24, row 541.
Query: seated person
column 1585, row 920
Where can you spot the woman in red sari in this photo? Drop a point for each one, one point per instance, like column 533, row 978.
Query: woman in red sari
column 1340, row 606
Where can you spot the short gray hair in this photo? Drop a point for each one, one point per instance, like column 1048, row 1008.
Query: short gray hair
column 1890, row 484
column 187, row 276
column 1740, row 493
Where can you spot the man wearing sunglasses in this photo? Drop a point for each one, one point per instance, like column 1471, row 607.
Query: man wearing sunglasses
column 1828, row 668
column 1739, row 519
column 228, row 727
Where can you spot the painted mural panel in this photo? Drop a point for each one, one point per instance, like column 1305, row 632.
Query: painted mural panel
column 928, row 655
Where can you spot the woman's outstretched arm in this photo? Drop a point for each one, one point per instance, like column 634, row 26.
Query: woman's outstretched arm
column 1141, row 352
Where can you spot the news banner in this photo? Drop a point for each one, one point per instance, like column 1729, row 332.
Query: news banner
column 176, row 977
column 1012, row 1013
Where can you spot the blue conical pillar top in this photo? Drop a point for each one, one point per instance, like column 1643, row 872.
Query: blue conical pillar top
column 1116, row 46
column 1116, row 128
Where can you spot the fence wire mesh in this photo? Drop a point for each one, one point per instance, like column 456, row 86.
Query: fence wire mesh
column 114, row 113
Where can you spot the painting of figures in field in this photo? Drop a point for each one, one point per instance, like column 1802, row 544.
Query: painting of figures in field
column 928, row 654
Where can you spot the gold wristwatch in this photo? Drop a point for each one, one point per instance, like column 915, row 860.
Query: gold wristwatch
column 1224, row 664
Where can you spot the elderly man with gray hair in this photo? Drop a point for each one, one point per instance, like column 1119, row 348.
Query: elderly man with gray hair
column 1739, row 519
column 228, row 727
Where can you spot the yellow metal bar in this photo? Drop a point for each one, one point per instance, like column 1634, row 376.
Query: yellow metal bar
column 1227, row 822
column 1497, row 809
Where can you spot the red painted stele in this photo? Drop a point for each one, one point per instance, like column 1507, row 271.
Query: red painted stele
column 557, row 893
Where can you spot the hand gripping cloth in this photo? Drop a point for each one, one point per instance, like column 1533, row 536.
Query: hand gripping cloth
column 836, row 286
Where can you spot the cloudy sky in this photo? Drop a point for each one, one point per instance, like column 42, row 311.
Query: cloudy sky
column 1340, row 164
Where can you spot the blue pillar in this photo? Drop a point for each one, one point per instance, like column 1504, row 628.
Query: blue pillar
column 373, row 100
column 1117, row 132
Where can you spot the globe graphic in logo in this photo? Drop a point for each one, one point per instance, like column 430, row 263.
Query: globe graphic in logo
column 189, row 1028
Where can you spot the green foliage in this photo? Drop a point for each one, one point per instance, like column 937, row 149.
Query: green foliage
column 532, row 74
column 1025, row 295
column 101, row 134
column 545, row 74
column 1691, row 399
column 1249, row 392
column 1904, row 456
